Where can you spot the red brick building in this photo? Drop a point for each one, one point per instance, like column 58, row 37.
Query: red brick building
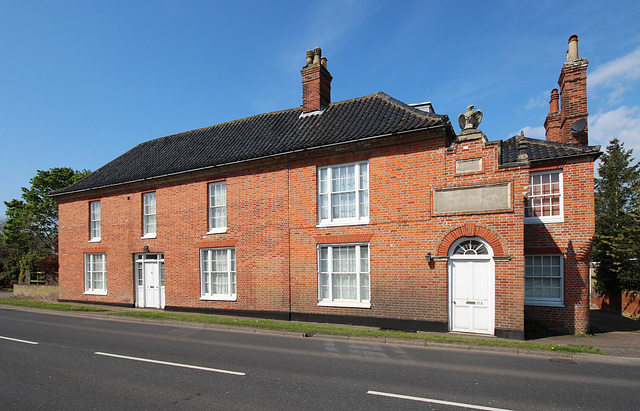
column 366, row 211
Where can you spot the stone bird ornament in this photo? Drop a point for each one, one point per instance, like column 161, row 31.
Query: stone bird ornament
column 471, row 119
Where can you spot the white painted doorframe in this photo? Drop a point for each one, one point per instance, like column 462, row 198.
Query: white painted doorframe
column 471, row 272
column 149, row 279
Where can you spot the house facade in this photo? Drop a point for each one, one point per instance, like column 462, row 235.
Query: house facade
column 366, row 211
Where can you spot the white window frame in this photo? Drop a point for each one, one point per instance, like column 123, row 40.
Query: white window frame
column 363, row 277
column 545, row 219
column 544, row 274
column 217, row 202
column 326, row 195
column 149, row 219
column 91, row 270
column 206, row 274
column 95, row 231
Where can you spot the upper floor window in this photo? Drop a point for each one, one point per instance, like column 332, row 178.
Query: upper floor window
column 543, row 279
column 343, row 194
column 343, row 275
column 149, row 215
column 544, row 201
column 95, row 273
column 218, row 273
column 218, row 207
column 94, row 226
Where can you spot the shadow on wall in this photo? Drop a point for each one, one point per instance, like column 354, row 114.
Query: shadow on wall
column 627, row 303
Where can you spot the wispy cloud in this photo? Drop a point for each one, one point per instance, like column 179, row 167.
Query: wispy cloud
column 538, row 101
column 623, row 123
column 533, row 132
column 617, row 75
column 328, row 25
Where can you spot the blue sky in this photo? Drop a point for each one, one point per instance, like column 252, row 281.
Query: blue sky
column 81, row 82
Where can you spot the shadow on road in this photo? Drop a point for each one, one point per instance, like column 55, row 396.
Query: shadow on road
column 604, row 321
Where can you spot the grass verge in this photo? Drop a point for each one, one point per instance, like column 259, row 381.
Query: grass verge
column 310, row 328
column 49, row 306
column 313, row 329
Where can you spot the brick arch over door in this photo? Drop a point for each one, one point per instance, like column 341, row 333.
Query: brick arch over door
column 471, row 230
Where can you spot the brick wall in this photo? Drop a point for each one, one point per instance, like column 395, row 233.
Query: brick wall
column 574, row 238
column 273, row 224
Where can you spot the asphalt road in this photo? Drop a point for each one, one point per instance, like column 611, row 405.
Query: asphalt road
column 52, row 362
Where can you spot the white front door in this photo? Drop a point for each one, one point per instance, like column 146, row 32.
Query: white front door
column 150, row 280
column 151, row 284
column 471, row 285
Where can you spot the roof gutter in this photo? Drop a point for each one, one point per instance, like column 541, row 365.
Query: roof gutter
column 251, row 159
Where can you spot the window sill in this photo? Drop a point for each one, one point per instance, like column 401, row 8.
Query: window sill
column 344, row 304
column 543, row 220
column 95, row 293
column 148, row 236
column 220, row 298
column 545, row 303
column 95, row 240
column 218, row 231
column 343, row 223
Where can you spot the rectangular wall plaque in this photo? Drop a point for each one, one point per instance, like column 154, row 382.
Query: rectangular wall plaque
column 468, row 166
column 489, row 197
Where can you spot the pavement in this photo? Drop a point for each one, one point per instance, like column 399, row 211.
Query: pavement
column 611, row 333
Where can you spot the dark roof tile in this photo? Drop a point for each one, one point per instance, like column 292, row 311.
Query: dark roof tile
column 541, row 150
column 260, row 136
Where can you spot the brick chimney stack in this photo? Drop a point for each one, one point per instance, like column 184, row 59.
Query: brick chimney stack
column 316, row 82
column 569, row 125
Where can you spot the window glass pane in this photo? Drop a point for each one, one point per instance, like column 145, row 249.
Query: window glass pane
column 545, row 195
column 218, row 272
column 364, row 176
column 364, row 287
column 543, row 278
column 348, row 278
column 323, row 181
column 324, row 207
column 343, row 192
column 364, row 203
column 364, row 259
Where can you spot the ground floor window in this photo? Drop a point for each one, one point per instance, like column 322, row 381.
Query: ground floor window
column 218, row 273
column 343, row 275
column 543, row 279
column 95, row 273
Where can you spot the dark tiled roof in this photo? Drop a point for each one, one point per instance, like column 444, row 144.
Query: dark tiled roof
column 541, row 150
column 260, row 136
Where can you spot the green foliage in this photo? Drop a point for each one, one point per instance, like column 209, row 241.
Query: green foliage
column 617, row 246
column 29, row 234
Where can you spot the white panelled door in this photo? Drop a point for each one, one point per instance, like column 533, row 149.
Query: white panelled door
column 150, row 280
column 471, row 287
column 151, row 284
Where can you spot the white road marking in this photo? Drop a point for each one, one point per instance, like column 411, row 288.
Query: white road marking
column 174, row 364
column 453, row 404
column 20, row 341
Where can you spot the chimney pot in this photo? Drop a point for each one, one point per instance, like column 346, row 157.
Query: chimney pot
column 572, row 52
column 317, row 52
column 309, row 57
column 553, row 103
column 323, row 61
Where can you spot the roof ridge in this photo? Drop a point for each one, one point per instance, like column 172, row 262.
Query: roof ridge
column 293, row 109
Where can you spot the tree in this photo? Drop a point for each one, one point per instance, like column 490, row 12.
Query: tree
column 30, row 231
column 616, row 246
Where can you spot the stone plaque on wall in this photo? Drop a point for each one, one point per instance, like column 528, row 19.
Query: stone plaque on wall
column 489, row 197
column 469, row 166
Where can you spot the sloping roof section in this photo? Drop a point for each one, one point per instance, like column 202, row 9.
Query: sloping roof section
column 541, row 150
column 260, row 136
